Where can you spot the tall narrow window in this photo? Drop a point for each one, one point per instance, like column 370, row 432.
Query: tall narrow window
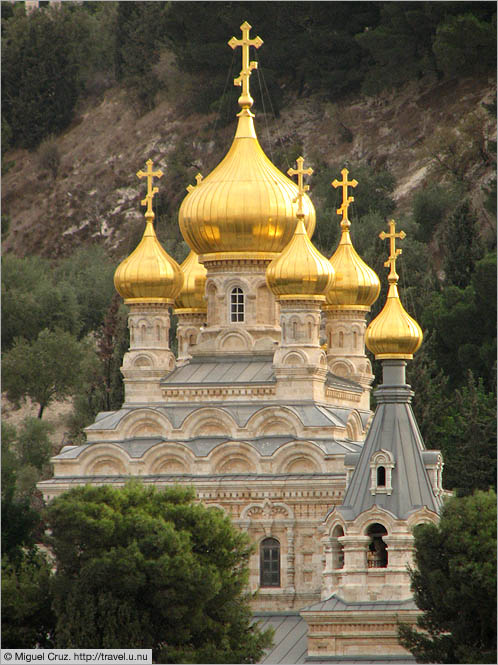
column 381, row 476
column 269, row 562
column 237, row 305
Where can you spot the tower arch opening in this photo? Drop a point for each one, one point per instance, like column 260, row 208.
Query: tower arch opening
column 377, row 549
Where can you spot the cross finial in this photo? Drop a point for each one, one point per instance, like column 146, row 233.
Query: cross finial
column 301, row 187
column 346, row 200
column 245, row 100
column 150, row 175
column 393, row 252
column 198, row 179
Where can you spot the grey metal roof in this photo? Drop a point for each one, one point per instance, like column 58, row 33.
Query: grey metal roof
column 394, row 429
column 222, row 370
column 310, row 413
column 232, row 369
column 289, row 640
column 335, row 603
column 202, row 446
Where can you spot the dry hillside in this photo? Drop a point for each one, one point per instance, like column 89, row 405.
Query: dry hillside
column 95, row 196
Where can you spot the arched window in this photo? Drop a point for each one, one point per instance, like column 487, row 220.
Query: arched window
column 381, row 476
column 337, row 548
column 269, row 563
column 377, row 549
column 341, row 339
column 237, row 305
column 381, row 472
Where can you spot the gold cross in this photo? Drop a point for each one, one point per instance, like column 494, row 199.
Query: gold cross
column 198, row 179
column 346, row 200
column 301, row 187
column 245, row 100
column 149, row 174
column 393, row 252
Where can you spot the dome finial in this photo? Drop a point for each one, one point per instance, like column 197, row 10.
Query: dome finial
column 346, row 200
column 245, row 100
column 302, row 188
column 150, row 175
column 393, row 252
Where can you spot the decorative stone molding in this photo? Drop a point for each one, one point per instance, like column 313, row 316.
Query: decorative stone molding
column 381, row 460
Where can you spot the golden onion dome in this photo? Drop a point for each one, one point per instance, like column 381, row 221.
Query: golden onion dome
column 244, row 207
column 300, row 272
column 356, row 285
column 393, row 333
column 191, row 296
column 149, row 274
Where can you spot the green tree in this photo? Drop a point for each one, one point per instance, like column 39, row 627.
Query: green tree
column 463, row 322
column 43, row 370
column 89, row 273
column 139, row 567
column 454, row 583
column 466, row 435
column 456, row 54
column 28, row 620
column 35, row 297
column 462, row 246
column 40, row 84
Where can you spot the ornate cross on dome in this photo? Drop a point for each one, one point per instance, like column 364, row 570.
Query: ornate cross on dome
column 301, row 187
column 150, row 175
column 393, row 252
column 245, row 100
column 346, row 200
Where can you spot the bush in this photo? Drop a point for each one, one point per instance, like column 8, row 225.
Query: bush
column 48, row 156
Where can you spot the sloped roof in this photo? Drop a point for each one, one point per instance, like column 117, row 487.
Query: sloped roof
column 290, row 643
column 394, row 429
column 335, row 603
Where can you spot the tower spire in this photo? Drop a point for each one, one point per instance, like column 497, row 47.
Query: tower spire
column 151, row 191
column 346, row 200
column 245, row 100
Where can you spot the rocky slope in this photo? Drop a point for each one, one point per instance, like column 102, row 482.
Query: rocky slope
column 95, row 196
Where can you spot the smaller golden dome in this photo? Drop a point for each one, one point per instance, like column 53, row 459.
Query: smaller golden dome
column 300, row 272
column 149, row 274
column 393, row 333
column 356, row 285
column 191, row 298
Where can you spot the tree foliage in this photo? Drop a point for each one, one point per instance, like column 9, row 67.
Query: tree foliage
column 27, row 616
column 40, row 84
column 139, row 567
column 454, row 583
column 43, row 370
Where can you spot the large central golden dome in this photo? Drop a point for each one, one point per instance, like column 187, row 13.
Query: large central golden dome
column 244, row 208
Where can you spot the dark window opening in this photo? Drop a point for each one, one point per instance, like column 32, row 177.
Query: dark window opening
column 237, row 305
column 377, row 549
column 270, row 563
column 381, row 476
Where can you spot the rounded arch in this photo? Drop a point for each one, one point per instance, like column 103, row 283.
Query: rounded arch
column 144, row 423
column 168, row 458
column 354, row 426
column 234, row 340
column 143, row 360
column 294, row 357
column 209, row 421
column 268, row 418
column 377, row 556
column 104, row 459
column 293, row 455
column 233, row 457
column 342, row 367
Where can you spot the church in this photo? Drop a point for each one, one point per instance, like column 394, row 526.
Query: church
column 265, row 411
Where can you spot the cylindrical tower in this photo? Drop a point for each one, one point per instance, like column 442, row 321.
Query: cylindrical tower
column 149, row 280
